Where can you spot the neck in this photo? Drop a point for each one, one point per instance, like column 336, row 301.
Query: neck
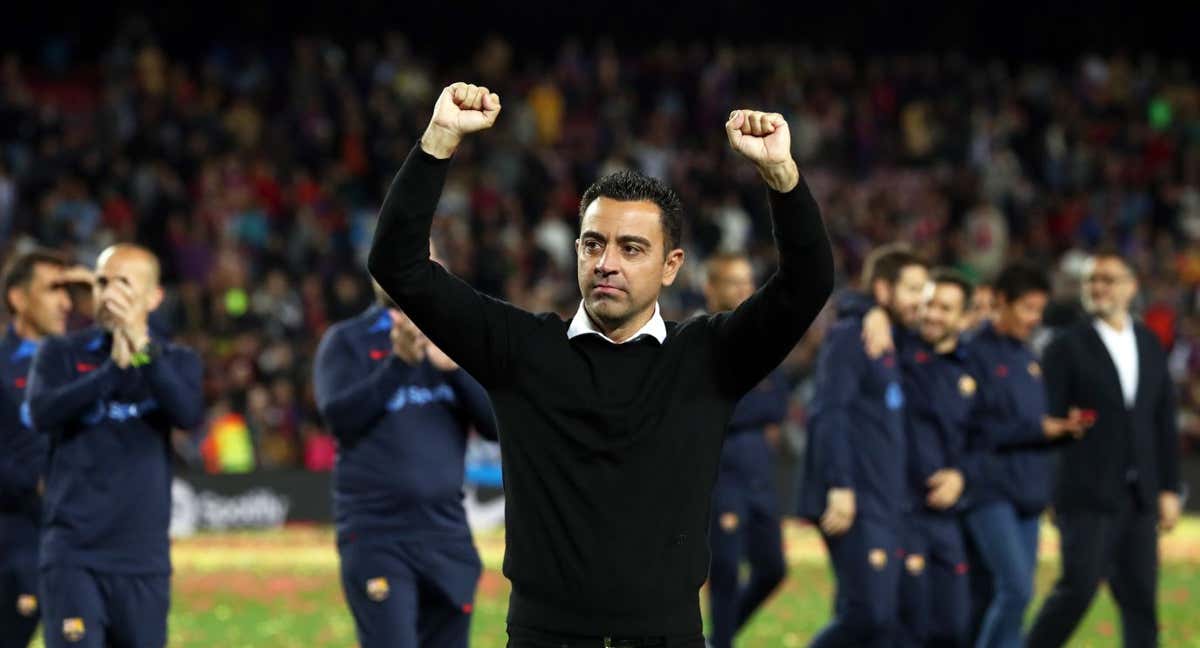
column 1001, row 326
column 948, row 344
column 1116, row 319
column 26, row 330
column 623, row 330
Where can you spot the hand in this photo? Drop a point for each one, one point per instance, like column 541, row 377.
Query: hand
column 408, row 343
column 439, row 359
column 41, row 486
column 120, row 302
column 460, row 110
column 1169, row 508
column 765, row 140
column 945, row 487
column 877, row 333
column 839, row 511
column 122, row 351
column 1057, row 428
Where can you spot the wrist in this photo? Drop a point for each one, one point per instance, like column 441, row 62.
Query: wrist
column 440, row 142
column 144, row 353
column 138, row 341
column 781, row 177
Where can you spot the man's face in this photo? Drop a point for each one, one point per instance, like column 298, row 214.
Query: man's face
column 121, row 270
column 729, row 284
column 903, row 299
column 1020, row 317
column 1109, row 288
column 944, row 314
column 44, row 303
column 622, row 262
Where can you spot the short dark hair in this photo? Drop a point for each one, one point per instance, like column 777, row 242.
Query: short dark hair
column 886, row 262
column 631, row 185
column 955, row 278
column 18, row 272
column 1111, row 252
column 1020, row 278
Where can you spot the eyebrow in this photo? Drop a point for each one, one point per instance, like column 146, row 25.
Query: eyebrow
column 624, row 238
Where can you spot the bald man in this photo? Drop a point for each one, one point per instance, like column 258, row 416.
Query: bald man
column 107, row 398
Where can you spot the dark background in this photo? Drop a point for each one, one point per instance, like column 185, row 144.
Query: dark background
column 1011, row 30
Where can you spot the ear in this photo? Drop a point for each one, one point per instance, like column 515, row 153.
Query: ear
column 17, row 299
column 671, row 266
column 155, row 300
column 576, row 248
column 881, row 292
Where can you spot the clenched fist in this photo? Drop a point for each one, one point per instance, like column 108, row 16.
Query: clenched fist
column 764, row 139
column 461, row 109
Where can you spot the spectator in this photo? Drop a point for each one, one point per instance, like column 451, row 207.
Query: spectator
column 257, row 177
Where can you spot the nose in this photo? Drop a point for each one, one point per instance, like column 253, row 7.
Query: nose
column 603, row 266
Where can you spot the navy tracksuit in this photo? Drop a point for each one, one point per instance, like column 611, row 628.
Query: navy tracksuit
column 745, row 516
column 22, row 464
column 1009, row 466
column 409, row 567
column 940, row 394
column 856, row 440
column 105, row 555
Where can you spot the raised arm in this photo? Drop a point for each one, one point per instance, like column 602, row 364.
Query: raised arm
column 754, row 338
column 175, row 378
column 56, row 396
column 479, row 332
column 350, row 397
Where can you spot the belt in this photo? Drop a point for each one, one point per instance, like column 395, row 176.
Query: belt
column 610, row 642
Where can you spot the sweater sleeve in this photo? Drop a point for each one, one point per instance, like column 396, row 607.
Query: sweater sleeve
column 753, row 339
column 176, row 380
column 994, row 420
column 55, row 396
column 1166, row 418
column 350, row 397
column 479, row 332
column 839, row 374
column 476, row 406
column 22, row 456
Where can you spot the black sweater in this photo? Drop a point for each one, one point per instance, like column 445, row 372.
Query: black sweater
column 609, row 451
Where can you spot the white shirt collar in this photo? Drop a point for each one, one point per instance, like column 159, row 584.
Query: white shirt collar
column 582, row 324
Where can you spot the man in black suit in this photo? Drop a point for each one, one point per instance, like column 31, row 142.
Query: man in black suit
column 1118, row 485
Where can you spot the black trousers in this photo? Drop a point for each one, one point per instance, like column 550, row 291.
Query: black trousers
column 519, row 637
column 1121, row 548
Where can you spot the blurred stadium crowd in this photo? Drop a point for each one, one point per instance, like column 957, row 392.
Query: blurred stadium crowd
column 257, row 175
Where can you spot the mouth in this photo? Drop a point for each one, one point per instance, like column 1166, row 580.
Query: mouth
column 604, row 289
